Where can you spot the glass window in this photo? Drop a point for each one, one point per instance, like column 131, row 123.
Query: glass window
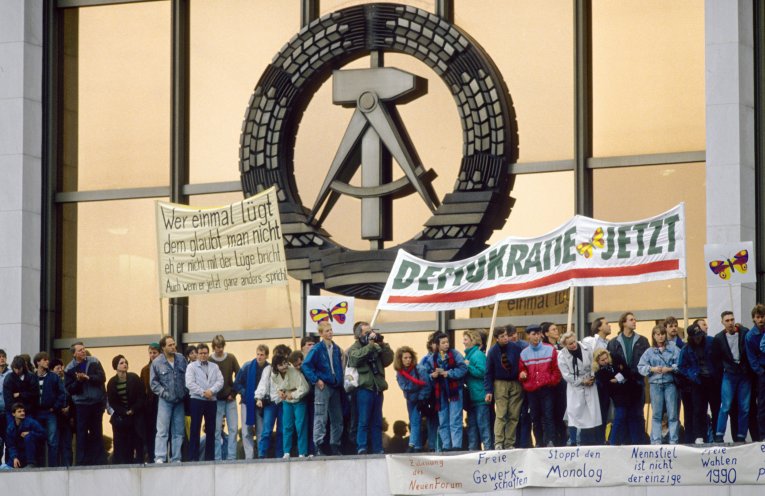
column 532, row 46
column 543, row 202
column 117, row 96
column 648, row 76
column 232, row 42
column 633, row 193
column 109, row 270
column 328, row 6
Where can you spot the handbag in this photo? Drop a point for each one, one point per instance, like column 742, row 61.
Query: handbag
column 350, row 379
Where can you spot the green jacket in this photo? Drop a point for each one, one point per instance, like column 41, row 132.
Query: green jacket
column 475, row 375
column 358, row 356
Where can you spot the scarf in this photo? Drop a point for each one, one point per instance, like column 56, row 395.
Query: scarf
column 253, row 378
column 407, row 374
column 453, row 384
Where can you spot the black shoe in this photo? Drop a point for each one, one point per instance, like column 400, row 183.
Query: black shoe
column 362, row 451
column 719, row 439
column 320, row 451
column 334, row 450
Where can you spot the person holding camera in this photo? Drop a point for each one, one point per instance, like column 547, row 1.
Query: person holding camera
column 370, row 355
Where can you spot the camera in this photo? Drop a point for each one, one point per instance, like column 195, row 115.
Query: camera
column 364, row 340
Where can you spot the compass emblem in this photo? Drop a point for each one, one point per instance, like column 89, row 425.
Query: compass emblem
column 461, row 221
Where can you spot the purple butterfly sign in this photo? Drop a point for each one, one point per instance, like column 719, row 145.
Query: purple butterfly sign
column 730, row 263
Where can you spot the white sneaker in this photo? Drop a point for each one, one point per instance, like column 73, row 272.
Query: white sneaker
column 698, row 441
column 159, row 461
column 286, row 456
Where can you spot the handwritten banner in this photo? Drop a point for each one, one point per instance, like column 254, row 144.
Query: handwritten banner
column 489, row 471
column 214, row 250
column 582, row 252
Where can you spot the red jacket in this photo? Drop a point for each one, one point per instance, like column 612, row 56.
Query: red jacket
column 540, row 365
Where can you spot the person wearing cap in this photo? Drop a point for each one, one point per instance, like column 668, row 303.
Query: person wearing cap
column 697, row 365
column 501, row 386
column 551, row 336
column 539, row 375
column 756, row 355
column 370, row 355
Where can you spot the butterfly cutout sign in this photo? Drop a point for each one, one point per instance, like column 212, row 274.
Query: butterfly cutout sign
column 336, row 310
column 597, row 242
column 730, row 263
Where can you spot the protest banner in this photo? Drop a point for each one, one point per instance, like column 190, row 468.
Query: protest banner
column 582, row 252
column 584, row 466
column 213, row 250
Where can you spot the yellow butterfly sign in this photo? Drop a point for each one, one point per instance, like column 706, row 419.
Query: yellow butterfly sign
column 596, row 242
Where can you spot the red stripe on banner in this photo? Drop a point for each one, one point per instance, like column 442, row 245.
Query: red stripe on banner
column 633, row 270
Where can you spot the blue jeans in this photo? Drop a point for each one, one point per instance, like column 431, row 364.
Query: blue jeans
column 294, row 417
column 415, row 425
column 170, row 421
column 664, row 395
column 628, row 424
column 227, row 409
column 739, row 387
column 450, row 421
column 272, row 414
column 479, row 427
column 369, row 430
column 49, row 422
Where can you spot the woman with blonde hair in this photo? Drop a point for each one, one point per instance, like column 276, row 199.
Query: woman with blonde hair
column 414, row 383
column 582, row 403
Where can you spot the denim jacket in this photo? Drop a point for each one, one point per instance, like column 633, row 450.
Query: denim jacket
column 169, row 382
column 654, row 357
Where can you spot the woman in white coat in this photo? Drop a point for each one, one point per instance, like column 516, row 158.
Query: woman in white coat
column 582, row 403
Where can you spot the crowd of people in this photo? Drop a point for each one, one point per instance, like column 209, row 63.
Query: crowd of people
column 545, row 390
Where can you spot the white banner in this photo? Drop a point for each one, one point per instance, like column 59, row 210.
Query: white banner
column 593, row 466
column 582, row 252
column 338, row 310
column 730, row 263
column 214, row 250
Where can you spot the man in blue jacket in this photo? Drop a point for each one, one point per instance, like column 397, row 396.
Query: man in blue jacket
column 23, row 436
column 52, row 400
column 168, row 382
column 323, row 367
column 756, row 358
column 85, row 381
column 501, row 385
